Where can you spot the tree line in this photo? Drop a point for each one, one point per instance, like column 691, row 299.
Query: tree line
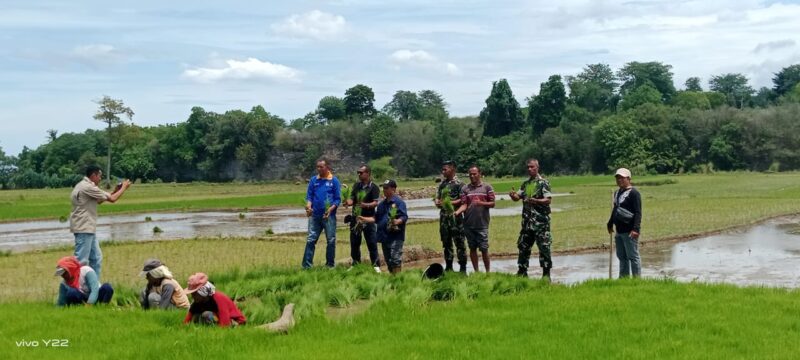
column 590, row 122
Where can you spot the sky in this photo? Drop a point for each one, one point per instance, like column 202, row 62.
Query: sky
column 164, row 57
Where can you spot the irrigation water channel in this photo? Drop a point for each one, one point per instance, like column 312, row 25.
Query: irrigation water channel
column 767, row 254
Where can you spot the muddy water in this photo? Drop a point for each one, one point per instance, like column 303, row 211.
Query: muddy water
column 767, row 254
column 22, row 236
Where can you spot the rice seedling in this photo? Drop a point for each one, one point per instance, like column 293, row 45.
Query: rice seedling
column 157, row 230
column 148, row 219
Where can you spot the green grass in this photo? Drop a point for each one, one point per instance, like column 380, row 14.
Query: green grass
column 482, row 316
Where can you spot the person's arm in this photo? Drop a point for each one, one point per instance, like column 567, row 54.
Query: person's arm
column 402, row 214
column 375, row 194
column 94, row 287
column 309, row 196
column 118, row 193
column 637, row 213
column 372, row 219
column 337, row 195
column 456, row 202
column 166, row 296
column 489, row 198
column 610, row 224
column 464, row 204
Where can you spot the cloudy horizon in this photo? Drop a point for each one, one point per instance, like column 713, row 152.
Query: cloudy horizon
column 162, row 58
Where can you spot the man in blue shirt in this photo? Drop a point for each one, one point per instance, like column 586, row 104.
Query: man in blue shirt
column 322, row 199
column 391, row 217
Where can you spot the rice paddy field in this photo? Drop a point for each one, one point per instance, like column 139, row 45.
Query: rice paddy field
column 357, row 313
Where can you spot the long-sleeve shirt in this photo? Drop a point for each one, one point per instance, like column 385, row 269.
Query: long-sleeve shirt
column 322, row 190
column 382, row 219
column 221, row 305
column 631, row 200
column 89, row 286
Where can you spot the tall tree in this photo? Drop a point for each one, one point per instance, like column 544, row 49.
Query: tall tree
column 593, row 89
column 545, row 110
column 359, row 100
column 635, row 74
column 502, row 114
column 734, row 87
column 108, row 112
column 432, row 104
column 764, row 97
column 693, row 84
column 644, row 94
column 786, row 79
column 331, row 108
column 404, row 106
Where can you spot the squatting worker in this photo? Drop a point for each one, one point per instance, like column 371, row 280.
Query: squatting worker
column 477, row 198
column 322, row 198
column 365, row 197
column 451, row 227
column 390, row 218
column 536, row 197
column 162, row 291
column 83, row 218
column 81, row 284
column 211, row 306
column 626, row 216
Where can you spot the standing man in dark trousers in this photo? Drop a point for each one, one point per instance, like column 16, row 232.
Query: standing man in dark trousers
column 477, row 198
column 365, row 196
column 536, row 197
column 391, row 217
column 451, row 227
column 626, row 216
column 322, row 198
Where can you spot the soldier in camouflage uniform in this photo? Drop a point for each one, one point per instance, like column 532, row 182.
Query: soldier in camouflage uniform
column 451, row 227
column 536, row 197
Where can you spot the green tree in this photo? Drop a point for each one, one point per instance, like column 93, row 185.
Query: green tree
column 734, row 87
column 502, row 114
column 359, row 101
column 691, row 100
column 764, row 97
column 381, row 130
column 404, row 106
column 635, row 74
column 545, row 110
column 715, row 98
column 594, row 88
column 136, row 163
column 644, row 94
column 432, row 106
column 108, row 112
column 786, row 79
column 693, row 84
column 7, row 169
column 331, row 108
column 413, row 148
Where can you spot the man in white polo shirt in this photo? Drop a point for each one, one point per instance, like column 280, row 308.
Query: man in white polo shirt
column 83, row 219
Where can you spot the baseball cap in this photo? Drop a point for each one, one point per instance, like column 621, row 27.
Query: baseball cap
column 623, row 172
column 390, row 183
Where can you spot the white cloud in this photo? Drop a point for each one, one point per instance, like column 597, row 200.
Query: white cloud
column 250, row 69
column 96, row 55
column 421, row 59
column 774, row 45
column 316, row 25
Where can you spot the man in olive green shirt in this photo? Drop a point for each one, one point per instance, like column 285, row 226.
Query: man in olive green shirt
column 83, row 218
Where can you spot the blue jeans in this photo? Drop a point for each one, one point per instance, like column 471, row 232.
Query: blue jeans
column 628, row 255
column 88, row 248
column 315, row 227
column 72, row 296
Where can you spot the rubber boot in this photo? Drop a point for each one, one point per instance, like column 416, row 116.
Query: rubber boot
column 462, row 268
column 396, row 270
column 522, row 272
column 546, row 274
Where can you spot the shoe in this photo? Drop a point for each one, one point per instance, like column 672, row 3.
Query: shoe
column 448, row 266
column 522, row 273
column 377, row 269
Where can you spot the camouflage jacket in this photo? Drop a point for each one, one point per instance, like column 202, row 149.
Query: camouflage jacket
column 451, row 188
column 536, row 188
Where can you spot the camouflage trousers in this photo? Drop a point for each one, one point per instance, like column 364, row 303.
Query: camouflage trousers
column 452, row 233
column 541, row 236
